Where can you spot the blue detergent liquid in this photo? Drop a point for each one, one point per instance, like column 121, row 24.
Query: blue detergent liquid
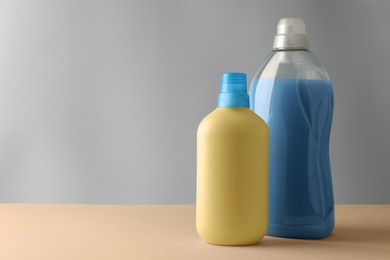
column 299, row 116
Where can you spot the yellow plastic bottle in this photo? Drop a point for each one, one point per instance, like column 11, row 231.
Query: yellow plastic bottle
column 232, row 169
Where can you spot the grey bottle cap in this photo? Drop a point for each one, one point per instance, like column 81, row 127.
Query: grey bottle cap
column 291, row 35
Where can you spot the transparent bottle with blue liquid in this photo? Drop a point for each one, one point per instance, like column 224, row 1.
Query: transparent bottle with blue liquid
column 293, row 94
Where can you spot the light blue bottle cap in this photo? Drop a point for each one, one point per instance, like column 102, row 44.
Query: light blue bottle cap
column 233, row 90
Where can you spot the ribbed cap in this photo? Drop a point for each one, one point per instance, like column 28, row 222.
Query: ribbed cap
column 233, row 90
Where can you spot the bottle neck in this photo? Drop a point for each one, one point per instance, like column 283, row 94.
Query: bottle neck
column 239, row 100
column 291, row 42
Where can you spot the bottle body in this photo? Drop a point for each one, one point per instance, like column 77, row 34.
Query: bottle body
column 294, row 96
column 232, row 177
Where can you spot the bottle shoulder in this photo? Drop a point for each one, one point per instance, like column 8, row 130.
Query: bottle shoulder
column 297, row 64
column 234, row 119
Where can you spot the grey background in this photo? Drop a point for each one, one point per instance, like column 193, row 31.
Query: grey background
column 100, row 100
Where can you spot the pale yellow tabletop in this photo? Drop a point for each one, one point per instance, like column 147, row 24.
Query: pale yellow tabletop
column 35, row 231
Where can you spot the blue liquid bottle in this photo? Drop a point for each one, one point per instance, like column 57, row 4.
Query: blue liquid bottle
column 294, row 96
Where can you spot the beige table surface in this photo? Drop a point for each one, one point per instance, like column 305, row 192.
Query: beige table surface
column 51, row 231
